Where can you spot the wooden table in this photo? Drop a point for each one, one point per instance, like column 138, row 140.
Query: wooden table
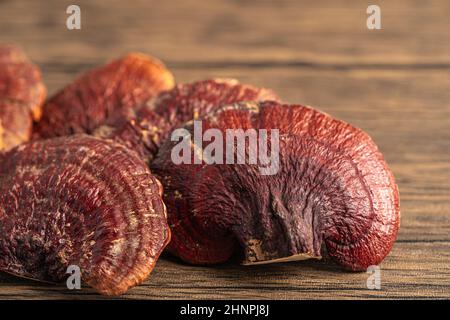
column 394, row 83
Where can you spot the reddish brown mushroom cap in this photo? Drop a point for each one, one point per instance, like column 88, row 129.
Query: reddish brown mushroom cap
column 104, row 96
column 171, row 109
column 333, row 187
column 21, row 96
column 81, row 201
column 194, row 100
column 12, row 54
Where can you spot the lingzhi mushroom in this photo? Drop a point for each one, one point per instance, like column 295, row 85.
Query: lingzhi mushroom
column 82, row 193
column 333, row 187
column 159, row 116
column 107, row 95
column 80, row 201
column 21, row 96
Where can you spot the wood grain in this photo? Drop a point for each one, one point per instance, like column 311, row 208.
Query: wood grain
column 393, row 83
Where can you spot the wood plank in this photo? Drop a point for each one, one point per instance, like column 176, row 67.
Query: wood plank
column 407, row 114
column 413, row 270
column 392, row 83
column 183, row 31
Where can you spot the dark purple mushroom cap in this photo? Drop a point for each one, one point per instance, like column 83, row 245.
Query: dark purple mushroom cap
column 332, row 187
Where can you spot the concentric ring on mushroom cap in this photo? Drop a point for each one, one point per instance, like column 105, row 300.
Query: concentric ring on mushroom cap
column 21, row 96
column 106, row 95
column 81, row 201
column 171, row 109
column 333, row 187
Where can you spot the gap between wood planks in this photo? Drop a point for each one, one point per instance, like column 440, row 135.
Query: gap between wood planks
column 423, row 241
column 76, row 66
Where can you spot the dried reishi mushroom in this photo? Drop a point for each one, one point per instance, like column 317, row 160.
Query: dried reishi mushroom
column 81, row 201
column 332, row 187
column 193, row 100
column 141, row 134
column 169, row 110
column 15, row 124
column 12, row 54
column 104, row 96
column 21, row 96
